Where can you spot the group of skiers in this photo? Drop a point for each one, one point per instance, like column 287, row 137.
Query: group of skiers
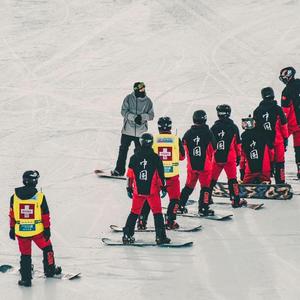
column 153, row 170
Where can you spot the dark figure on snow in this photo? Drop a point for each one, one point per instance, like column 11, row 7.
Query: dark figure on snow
column 170, row 150
column 270, row 119
column 257, row 154
column 145, row 182
column 290, row 103
column 199, row 144
column 228, row 153
column 137, row 110
column 30, row 221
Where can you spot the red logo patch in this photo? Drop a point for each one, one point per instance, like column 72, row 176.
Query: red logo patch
column 27, row 211
column 165, row 153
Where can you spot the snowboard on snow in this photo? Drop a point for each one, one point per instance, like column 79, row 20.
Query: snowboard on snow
column 105, row 174
column 216, row 216
column 116, row 228
column 110, row 242
column 260, row 191
column 36, row 273
column 254, row 206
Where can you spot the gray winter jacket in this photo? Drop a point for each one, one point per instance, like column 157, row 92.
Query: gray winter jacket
column 132, row 107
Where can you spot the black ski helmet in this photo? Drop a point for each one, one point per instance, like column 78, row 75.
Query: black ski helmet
column 267, row 93
column 248, row 123
column 146, row 140
column 164, row 124
column 286, row 74
column 199, row 117
column 30, row 178
column 223, row 111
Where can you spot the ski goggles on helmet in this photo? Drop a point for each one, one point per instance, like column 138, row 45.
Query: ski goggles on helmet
column 248, row 123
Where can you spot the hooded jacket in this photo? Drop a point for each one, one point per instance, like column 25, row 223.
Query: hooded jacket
column 132, row 107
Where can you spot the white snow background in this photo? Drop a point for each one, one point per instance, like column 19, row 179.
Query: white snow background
column 65, row 68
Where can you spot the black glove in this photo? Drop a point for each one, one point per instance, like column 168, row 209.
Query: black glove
column 12, row 235
column 129, row 192
column 242, row 174
column 238, row 160
column 47, row 234
column 138, row 120
column 285, row 143
column 163, row 191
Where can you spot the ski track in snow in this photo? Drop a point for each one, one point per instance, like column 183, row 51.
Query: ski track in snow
column 66, row 68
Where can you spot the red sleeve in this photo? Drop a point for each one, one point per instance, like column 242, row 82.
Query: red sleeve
column 46, row 220
column 271, row 154
column 243, row 161
column 130, row 175
column 284, row 131
column 238, row 148
column 12, row 220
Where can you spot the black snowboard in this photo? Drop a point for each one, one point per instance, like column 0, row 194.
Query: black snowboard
column 104, row 174
column 110, row 242
column 216, row 217
column 116, row 228
column 254, row 206
column 260, row 191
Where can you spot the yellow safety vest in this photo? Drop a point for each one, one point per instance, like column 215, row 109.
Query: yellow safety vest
column 167, row 147
column 28, row 215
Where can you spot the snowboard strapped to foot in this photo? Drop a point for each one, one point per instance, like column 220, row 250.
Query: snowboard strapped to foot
column 110, row 242
column 260, row 191
column 105, row 174
column 116, row 228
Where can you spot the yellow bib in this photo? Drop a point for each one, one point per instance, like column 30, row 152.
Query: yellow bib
column 28, row 215
column 167, row 147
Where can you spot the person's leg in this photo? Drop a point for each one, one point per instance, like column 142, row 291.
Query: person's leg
column 279, row 163
column 216, row 171
column 205, row 193
column 50, row 269
column 296, row 138
column 173, row 189
column 25, row 261
column 123, row 151
column 191, row 180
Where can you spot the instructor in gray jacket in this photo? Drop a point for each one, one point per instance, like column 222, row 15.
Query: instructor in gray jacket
column 137, row 110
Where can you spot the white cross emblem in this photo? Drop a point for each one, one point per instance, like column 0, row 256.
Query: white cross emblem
column 164, row 154
column 26, row 211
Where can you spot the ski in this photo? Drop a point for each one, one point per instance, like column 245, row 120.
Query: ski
column 104, row 174
column 254, row 206
column 216, row 217
column 36, row 273
column 110, row 242
column 116, row 228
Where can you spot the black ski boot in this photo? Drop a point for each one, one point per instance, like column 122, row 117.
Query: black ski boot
column 171, row 215
column 25, row 271
column 234, row 191
column 161, row 237
column 184, row 197
column 280, row 173
column 128, row 230
column 203, row 203
column 50, row 269
column 143, row 217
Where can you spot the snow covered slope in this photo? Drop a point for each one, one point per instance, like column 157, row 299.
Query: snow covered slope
column 66, row 67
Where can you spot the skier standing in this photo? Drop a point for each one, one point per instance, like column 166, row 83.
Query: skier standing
column 170, row 150
column 137, row 110
column 145, row 181
column 199, row 144
column 270, row 119
column 290, row 103
column 30, row 221
column 228, row 152
column 257, row 154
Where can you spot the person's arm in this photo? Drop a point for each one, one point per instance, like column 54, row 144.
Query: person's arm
column 45, row 213
column 238, row 145
column 181, row 150
column 125, row 110
column 283, row 124
column 149, row 114
column 11, row 215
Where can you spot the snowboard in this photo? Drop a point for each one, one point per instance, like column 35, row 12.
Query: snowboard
column 36, row 273
column 254, row 206
column 116, row 228
column 104, row 174
column 110, row 242
column 260, row 191
column 216, row 217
